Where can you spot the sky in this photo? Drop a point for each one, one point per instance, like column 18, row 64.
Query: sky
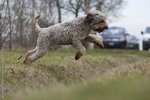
column 136, row 16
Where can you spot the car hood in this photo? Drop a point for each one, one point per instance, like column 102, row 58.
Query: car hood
column 146, row 35
column 113, row 36
column 134, row 41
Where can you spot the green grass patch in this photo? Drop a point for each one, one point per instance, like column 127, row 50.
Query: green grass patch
column 101, row 74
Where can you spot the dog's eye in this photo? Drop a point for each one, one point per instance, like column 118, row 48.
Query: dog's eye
column 102, row 21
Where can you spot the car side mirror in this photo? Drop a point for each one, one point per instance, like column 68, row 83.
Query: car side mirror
column 142, row 32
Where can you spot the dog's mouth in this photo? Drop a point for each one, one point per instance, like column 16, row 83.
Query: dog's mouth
column 100, row 29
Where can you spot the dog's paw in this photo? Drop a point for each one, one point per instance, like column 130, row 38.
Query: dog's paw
column 100, row 44
column 27, row 62
column 78, row 55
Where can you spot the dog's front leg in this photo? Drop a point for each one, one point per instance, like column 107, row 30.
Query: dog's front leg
column 80, row 49
column 94, row 39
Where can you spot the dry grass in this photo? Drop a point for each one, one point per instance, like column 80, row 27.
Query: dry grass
column 58, row 70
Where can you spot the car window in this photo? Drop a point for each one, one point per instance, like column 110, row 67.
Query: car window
column 114, row 31
column 147, row 30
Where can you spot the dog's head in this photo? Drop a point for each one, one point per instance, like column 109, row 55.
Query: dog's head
column 97, row 21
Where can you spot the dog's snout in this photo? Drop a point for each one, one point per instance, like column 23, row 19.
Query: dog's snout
column 106, row 27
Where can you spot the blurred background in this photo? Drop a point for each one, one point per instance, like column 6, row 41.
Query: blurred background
column 102, row 74
column 128, row 18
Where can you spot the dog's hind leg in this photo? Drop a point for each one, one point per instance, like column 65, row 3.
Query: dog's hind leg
column 36, row 55
column 80, row 49
column 29, row 53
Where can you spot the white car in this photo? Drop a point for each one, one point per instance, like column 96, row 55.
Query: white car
column 146, row 38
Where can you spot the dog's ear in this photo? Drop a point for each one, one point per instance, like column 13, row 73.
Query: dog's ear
column 89, row 14
column 89, row 17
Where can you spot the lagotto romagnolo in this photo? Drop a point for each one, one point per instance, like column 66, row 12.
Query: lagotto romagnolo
column 73, row 32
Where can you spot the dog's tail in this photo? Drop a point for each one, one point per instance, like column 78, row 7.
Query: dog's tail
column 37, row 27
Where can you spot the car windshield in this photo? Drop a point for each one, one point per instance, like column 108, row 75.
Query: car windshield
column 147, row 30
column 113, row 31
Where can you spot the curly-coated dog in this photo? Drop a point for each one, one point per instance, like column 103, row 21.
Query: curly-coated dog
column 73, row 32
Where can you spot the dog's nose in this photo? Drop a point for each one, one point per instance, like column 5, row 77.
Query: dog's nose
column 106, row 27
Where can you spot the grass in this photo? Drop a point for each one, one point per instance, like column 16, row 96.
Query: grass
column 99, row 75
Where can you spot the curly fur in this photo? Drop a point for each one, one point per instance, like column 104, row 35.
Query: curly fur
column 72, row 32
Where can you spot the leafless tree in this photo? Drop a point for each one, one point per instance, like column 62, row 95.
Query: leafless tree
column 87, row 5
column 58, row 4
column 16, row 17
column 10, row 24
column 73, row 6
column 2, row 23
column 109, row 7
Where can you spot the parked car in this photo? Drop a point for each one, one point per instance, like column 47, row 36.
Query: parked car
column 115, row 37
column 132, row 42
column 146, row 38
